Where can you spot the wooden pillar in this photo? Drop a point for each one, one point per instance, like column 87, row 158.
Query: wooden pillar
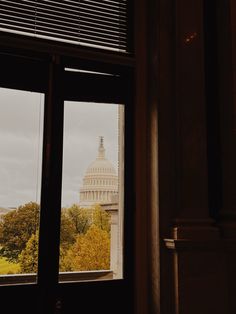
column 195, row 240
column 226, row 19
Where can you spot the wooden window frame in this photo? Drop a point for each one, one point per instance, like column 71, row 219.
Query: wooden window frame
column 26, row 56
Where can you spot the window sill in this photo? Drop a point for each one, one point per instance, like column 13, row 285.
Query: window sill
column 64, row 277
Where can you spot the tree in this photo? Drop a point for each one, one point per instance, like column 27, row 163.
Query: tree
column 16, row 228
column 80, row 218
column 28, row 259
column 67, row 231
column 101, row 218
column 91, row 251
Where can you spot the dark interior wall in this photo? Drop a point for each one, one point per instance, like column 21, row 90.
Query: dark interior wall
column 194, row 86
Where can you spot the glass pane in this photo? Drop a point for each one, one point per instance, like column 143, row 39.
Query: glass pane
column 21, row 128
column 92, row 192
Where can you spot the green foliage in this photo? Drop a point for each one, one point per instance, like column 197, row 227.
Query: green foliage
column 16, row 228
column 28, row 259
column 91, row 251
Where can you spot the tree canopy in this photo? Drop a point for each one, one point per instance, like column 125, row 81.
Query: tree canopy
column 28, row 258
column 84, row 238
column 101, row 218
column 16, row 228
column 80, row 217
column 91, row 251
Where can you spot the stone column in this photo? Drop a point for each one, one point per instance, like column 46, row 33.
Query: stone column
column 112, row 210
column 114, row 243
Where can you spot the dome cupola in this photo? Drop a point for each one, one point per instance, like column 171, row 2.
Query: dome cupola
column 100, row 182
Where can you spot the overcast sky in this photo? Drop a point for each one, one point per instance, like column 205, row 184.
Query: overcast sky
column 21, row 118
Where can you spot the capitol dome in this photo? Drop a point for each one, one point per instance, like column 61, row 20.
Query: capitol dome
column 100, row 182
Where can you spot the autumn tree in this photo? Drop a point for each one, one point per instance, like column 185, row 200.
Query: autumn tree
column 16, row 228
column 28, row 259
column 91, row 251
column 80, row 217
column 84, row 237
column 101, row 218
column 67, row 231
column 87, row 223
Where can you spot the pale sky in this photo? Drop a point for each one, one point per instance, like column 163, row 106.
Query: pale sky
column 21, row 118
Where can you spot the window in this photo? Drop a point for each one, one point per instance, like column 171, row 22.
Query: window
column 81, row 75
column 92, row 215
column 52, row 93
column 21, row 124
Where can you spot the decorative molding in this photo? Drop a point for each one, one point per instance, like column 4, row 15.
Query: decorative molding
column 198, row 229
column 227, row 224
column 203, row 234
column 174, row 244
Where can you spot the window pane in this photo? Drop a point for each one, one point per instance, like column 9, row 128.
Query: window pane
column 92, row 192
column 21, row 125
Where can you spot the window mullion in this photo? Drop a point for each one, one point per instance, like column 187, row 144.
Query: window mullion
column 51, row 185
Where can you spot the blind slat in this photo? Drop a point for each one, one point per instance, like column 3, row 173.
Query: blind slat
column 57, row 28
column 102, row 24
column 114, row 23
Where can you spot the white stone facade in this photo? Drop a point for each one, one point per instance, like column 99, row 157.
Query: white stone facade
column 100, row 182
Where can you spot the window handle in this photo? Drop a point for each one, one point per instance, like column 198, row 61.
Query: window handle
column 58, row 306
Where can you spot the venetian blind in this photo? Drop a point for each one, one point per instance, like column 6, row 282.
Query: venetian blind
column 101, row 23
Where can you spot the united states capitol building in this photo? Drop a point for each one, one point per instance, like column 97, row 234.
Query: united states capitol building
column 100, row 182
column 100, row 185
